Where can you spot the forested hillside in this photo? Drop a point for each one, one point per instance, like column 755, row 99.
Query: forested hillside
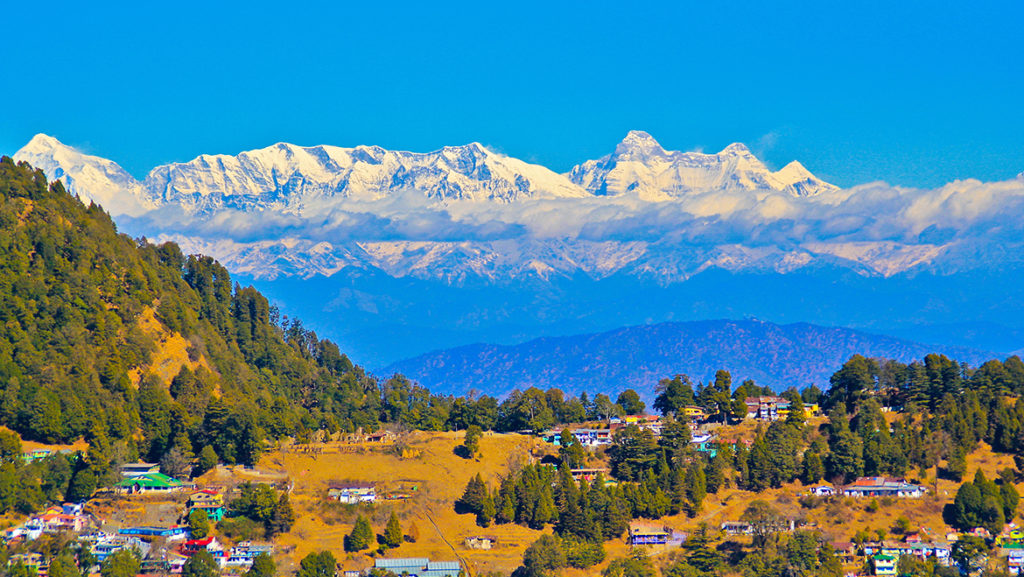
column 75, row 363
column 779, row 356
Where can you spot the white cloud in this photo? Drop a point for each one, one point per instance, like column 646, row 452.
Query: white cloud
column 887, row 228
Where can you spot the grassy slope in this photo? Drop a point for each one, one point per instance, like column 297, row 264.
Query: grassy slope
column 440, row 476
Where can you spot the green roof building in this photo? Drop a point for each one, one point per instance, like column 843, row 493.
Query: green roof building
column 884, row 564
column 151, row 483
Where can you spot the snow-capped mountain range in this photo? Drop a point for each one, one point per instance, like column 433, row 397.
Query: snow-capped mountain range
column 304, row 180
column 467, row 245
column 459, row 212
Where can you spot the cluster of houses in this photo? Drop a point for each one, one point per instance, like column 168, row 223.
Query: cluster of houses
column 882, row 557
column 762, row 408
column 885, row 556
column 352, row 494
column 873, row 487
column 103, row 541
column 39, row 454
column 356, row 493
column 68, row 518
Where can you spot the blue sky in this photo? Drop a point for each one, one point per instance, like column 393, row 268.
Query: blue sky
column 913, row 93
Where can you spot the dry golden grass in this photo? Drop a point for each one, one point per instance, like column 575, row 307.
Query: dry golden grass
column 439, row 476
column 171, row 352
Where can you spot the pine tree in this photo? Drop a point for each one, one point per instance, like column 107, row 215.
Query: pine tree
column 699, row 553
column 759, row 470
column 282, row 518
column 615, row 519
column 393, row 532
column 473, row 497
column 544, row 512
column 262, row 566
column 813, row 470
column 956, row 465
column 715, row 474
column 696, row 487
column 487, row 510
column 361, row 536
column 679, row 499
column 846, row 457
column 506, row 510
column 202, row 564
column 1010, row 497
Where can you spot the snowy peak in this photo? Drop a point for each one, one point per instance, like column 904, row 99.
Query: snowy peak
column 638, row 144
column 42, row 143
column 91, row 178
column 799, row 181
column 641, row 167
column 736, row 149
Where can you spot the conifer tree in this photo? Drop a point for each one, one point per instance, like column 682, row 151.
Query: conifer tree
column 696, row 487
column 716, row 473
column 812, row 468
column 262, row 566
column 699, row 553
column 473, row 497
column 679, row 498
column 487, row 511
column 506, row 507
column 393, row 532
column 282, row 518
column 361, row 536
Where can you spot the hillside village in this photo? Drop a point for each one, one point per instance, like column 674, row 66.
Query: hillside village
column 335, row 482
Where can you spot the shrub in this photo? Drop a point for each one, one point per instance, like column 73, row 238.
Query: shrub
column 241, row 529
column 872, row 506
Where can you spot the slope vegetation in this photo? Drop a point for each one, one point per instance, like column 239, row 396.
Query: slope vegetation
column 116, row 339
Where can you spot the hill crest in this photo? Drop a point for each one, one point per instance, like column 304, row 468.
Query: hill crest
column 780, row 356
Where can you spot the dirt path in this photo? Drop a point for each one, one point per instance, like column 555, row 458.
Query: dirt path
column 462, row 560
